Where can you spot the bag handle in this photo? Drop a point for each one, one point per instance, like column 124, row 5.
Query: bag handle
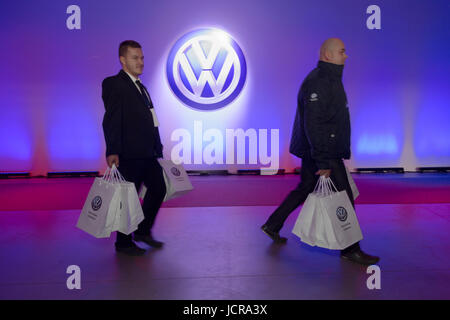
column 118, row 175
column 328, row 191
column 107, row 175
column 331, row 185
column 325, row 186
column 321, row 186
column 112, row 175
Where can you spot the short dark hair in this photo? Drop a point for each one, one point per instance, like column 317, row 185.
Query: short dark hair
column 124, row 46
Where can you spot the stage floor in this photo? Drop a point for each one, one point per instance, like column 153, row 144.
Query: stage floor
column 221, row 191
column 220, row 253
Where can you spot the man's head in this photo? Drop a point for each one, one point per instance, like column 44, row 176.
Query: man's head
column 333, row 51
column 131, row 57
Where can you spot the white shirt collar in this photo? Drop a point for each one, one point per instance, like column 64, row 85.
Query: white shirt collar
column 133, row 78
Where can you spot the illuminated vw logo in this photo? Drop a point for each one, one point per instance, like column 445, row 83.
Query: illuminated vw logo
column 341, row 214
column 206, row 69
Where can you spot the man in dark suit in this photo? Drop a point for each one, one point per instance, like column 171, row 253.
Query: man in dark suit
column 132, row 140
column 321, row 137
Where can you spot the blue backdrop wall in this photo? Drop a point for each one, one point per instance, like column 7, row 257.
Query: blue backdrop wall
column 396, row 78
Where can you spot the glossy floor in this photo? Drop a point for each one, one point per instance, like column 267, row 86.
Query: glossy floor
column 220, row 253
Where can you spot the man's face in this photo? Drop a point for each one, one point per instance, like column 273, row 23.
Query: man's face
column 337, row 53
column 133, row 61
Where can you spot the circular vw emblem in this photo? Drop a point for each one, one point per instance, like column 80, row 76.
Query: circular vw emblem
column 206, row 69
column 175, row 172
column 96, row 203
column 341, row 213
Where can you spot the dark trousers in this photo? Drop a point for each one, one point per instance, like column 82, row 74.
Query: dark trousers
column 149, row 172
column 307, row 183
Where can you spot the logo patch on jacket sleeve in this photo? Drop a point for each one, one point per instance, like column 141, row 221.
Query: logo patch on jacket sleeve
column 314, row 97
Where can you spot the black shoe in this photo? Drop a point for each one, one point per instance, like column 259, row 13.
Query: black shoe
column 148, row 240
column 132, row 250
column 360, row 257
column 273, row 235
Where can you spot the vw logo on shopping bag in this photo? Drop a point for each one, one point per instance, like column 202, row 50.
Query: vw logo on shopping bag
column 175, row 172
column 96, row 203
column 341, row 213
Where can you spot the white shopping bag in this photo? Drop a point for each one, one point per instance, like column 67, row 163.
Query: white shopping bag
column 112, row 205
column 176, row 179
column 305, row 225
column 344, row 224
column 99, row 211
column 327, row 218
column 352, row 183
column 311, row 227
column 129, row 214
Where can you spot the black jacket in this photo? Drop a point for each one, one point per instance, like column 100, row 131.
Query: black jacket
column 128, row 123
column 322, row 122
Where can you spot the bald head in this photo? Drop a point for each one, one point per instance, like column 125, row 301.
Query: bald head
column 333, row 51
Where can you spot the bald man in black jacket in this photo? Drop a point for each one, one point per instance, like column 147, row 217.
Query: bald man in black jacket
column 132, row 140
column 321, row 138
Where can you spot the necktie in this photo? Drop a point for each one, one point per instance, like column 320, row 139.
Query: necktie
column 148, row 102
column 157, row 146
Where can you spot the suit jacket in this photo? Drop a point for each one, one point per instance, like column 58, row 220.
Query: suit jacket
column 128, row 123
